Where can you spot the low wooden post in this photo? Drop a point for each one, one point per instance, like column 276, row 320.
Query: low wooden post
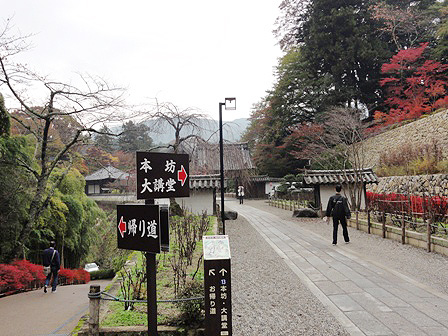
column 368, row 221
column 94, row 310
column 428, row 238
column 384, row 224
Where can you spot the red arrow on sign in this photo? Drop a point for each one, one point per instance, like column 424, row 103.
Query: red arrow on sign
column 122, row 227
column 182, row 175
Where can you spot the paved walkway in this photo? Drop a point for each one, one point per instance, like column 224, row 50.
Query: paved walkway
column 36, row 313
column 365, row 296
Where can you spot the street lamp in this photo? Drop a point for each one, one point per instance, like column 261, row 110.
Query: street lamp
column 229, row 104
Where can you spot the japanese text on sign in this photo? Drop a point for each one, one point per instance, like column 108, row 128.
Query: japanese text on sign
column 138, row 227
column 162, row 175
column 217, row 283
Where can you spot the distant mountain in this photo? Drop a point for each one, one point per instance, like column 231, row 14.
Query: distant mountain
column 232, row 130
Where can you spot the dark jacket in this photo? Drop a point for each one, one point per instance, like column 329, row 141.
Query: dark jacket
column 338, row 207
column 55, row 263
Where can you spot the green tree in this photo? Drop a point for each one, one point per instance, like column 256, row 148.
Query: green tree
column 92, row 103
column 341, row 41
column 105, row 140
column 134, row 137
column 69, row 219
column 5, row 124
column 441, row 48
column 266, row 140
column 15, row 191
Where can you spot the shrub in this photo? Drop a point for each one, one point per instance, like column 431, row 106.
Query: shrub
column 35, row 271
column 13, row 278
column 192, row 311
column 410, row 159
column 82, row 276
column 67, row 275
column 22, row 275
column 102, row 274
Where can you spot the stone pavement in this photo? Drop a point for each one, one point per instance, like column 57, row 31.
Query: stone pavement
column 365, row 296
column 37, row 313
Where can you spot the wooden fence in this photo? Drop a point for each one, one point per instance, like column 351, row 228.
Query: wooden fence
column 409, row 228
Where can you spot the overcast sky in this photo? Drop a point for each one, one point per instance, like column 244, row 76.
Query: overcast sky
column 191, row 53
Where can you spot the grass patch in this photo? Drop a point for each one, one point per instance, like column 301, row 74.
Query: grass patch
column 122, row 317
column 168, row 313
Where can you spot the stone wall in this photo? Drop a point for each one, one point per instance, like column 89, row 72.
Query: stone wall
column 418, row 132
column 416, row 185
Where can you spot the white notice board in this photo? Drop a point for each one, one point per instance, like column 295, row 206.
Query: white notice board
column 216, row 247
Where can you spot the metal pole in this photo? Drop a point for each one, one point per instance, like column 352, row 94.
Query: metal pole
column 221, row 161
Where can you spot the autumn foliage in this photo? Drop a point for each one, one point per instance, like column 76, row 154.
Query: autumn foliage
column 419, row 206
column 414, row 85
column 23, row 275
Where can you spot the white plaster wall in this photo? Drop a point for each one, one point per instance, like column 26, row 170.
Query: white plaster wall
column 269, row 185
column 326, row 191
column 198, row 202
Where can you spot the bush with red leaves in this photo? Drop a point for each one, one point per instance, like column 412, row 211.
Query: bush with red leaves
column 435, row 206
column 23, row 275
column 67, row 275
column 13, row 278
column 82, row 275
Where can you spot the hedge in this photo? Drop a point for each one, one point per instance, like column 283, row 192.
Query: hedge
column 23, row 275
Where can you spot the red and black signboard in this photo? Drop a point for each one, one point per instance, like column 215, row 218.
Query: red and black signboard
column 138, row 227
column 162, row 175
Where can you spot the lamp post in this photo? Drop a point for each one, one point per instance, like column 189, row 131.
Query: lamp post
column 229, row 104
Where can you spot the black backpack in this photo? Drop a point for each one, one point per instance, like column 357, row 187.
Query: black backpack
column 338, row 206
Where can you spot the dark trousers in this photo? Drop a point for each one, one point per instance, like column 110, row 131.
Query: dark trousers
column 343, row 221
column 241, row 199
column 53, row 273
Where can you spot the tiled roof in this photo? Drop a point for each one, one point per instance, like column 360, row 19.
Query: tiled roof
column 107, row 173
column 264, row 178
column 314, row 177
column 205, row 181
column 206, row 158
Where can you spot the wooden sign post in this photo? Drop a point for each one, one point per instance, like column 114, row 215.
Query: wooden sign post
column 217, row 283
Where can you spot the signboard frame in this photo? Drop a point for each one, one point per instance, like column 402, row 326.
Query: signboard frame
column 162, row 175
column 138, row 227
column 217, row 286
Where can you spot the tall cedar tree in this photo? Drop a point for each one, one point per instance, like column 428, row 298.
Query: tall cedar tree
column 341, row 41
column 414, row 85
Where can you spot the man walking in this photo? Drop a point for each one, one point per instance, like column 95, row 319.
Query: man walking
column 338, row 208
column 241, row 194
column 51, row 258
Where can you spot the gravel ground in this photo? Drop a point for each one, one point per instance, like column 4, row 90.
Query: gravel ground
column 267, row 297
column 428, row 268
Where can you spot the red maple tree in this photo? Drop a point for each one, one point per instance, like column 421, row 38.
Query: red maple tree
column 414, row 85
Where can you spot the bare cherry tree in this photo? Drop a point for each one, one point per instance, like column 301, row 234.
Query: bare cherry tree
column 186, row 123
column 337, row 141
column 92, row 102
